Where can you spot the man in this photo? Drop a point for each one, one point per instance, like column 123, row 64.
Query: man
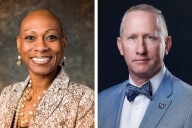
column 152, row 97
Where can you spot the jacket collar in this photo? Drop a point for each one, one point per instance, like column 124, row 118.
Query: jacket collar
column 160, row 103
column 49, row 102
column 61, row 77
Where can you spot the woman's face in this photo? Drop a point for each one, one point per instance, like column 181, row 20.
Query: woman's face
column 41, row 43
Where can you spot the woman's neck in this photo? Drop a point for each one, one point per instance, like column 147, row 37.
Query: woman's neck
column 42, row 82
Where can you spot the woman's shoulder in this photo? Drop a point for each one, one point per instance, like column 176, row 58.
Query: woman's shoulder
column 12, row 87
column 80, row 88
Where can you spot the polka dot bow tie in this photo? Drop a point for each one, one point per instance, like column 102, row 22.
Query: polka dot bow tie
column 132, row 91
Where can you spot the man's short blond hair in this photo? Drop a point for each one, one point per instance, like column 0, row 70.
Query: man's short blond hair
column 160, row 21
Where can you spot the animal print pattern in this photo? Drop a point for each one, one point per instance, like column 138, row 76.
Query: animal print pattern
column 65, row 105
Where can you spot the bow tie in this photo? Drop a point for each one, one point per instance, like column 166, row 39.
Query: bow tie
column 132, row 91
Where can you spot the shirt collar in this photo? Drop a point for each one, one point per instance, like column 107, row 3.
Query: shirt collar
column 155, row 80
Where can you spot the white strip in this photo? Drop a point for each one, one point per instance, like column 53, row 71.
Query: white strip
column 96, row 62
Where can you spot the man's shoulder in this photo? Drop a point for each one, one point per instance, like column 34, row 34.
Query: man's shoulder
column 111, row 98
column 180, row 85
column 114, row 89
column 177, row 84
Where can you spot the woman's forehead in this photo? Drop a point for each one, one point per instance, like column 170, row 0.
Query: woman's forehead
column 39, row 17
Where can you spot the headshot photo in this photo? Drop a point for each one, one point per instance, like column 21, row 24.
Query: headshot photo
column 47, row 64
column 144, row 64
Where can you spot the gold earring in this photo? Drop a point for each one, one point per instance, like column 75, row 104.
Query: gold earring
column 64, row 63
column 19, row 63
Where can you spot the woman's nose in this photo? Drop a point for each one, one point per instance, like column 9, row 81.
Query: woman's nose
column 40, row 45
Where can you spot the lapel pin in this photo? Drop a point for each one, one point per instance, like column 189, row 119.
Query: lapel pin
column 161, row 106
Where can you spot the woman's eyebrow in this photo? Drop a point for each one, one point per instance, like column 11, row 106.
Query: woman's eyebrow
column 45, row 31
column 30, row 31
column 51, row 29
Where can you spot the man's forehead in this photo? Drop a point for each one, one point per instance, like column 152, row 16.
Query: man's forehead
column 146, row 21
column 140, row 17
column 141, row 14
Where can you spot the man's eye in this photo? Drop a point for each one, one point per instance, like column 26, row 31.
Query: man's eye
column 131, row 38
column 150, row 37
column 52, row 37
column 29, row 38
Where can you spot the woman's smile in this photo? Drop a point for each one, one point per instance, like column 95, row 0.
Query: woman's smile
column 41, row 60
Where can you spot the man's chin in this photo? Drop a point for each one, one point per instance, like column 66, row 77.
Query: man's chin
column 142, row 73
column 145, row 73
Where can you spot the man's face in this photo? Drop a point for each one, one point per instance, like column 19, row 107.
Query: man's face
column 141, row 44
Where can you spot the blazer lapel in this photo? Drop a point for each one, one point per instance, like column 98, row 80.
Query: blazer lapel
column 51, row 100
column 14, row 100
column 116, row 108
column 159, row 104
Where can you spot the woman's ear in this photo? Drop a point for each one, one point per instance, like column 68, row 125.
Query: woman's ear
column 64, row 41
column 18, row 43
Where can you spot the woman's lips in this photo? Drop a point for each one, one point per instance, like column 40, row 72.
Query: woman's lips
column 41, row 60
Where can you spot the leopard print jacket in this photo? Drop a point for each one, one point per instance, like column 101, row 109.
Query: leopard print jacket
column 65, row 105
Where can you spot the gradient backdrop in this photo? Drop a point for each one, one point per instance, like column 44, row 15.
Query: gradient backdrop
column 77, row 18
column 111, row 65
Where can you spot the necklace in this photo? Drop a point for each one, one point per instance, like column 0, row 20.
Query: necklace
column 20, row 120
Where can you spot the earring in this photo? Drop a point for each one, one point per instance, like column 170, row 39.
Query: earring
column 19, row 63
column 64, row 63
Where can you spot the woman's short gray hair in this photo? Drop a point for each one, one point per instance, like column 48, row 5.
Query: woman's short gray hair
column 161, row 24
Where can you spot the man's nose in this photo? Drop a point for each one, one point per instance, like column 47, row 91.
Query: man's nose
column 141, row 47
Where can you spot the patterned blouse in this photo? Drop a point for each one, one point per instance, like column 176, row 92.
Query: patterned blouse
column 65, row 105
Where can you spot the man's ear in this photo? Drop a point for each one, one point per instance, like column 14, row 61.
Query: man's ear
column 18, row 40
column 168, row 44
column 119, row 45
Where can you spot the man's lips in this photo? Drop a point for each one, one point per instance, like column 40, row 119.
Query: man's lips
column 41, row 60
column 141, row 60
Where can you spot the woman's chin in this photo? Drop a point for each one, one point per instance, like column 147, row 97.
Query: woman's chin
column 42, row 70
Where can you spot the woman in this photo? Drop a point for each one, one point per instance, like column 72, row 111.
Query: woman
column 46, row 98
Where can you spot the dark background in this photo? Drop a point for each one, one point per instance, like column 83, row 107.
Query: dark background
column 112, row 68
column 77, row 18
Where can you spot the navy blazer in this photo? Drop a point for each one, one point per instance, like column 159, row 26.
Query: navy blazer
column 171, row 106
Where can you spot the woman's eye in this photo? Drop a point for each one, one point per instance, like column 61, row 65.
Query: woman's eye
column 29, row 38
column 52, row 37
